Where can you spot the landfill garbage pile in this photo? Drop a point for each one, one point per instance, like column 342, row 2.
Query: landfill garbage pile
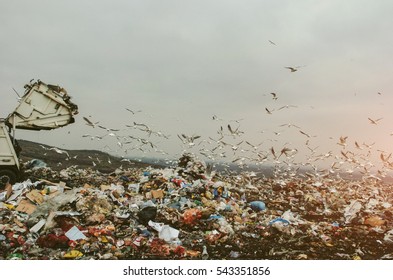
column 189, row 212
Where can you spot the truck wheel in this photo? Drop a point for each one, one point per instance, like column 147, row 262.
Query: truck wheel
column 7, row 175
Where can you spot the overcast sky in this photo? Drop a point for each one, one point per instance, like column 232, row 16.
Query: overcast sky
column 182, row 62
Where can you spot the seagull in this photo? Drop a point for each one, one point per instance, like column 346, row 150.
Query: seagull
column 234, row 132
column 108, row 129
column 188, row 139
column 358, row 146
column 343, row 140
column 285, row 151
column 302, row 132
column 385, row 159
column 293, row 69
column 59, row 151
column 274, row 95
column 271, row 42
column 129, row 110
column 374, row 121
column 141, row 125
column 290, row 125
column 369, row 146
column 253, row 146
column 287, row 107
column 268, row 111
column 233, row 147
column 127, row 160
column 273, row 152
column 89, row 123
column 215, row 118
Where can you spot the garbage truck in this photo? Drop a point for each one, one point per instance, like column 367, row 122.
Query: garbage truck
column 42, row 107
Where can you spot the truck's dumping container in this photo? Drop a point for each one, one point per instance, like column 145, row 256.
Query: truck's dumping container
column 43, row 107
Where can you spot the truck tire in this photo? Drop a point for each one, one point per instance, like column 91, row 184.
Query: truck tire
column 8, row 175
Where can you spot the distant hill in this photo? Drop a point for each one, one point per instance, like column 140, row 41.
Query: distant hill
column 107, row 163
column 58, row 159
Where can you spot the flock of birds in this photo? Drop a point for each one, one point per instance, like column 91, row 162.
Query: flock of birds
column 230, row 147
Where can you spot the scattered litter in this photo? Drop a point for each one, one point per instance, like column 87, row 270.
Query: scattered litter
column 187, row 212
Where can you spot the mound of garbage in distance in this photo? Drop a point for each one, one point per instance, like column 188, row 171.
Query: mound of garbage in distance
column 191, row 212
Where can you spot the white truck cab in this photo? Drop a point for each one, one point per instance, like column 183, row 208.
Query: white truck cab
column 42, row 107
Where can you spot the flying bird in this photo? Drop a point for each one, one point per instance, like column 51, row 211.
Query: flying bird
column 369, row 146
column 89, row 123
column 233, row 147
column 133, row 112
column 374, row 121
column 285, row 151
column 293, row 69
column 268, row 111
column 271, row 42
column 290, row 125
column 274, row 96
column 235, row 132
column 358, row 146
column 273, row 152
column 304, row 133
column 343, row 141
column 188, row 139
column 287, row 107
column 215, row 118
column 59, row 151
column 255, row 147
column 108, row 129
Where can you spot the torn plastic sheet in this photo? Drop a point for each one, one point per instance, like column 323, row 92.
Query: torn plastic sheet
column 52, row 204
column 169, row 234
column 290, row 217
column 134, row 188
column 75, row 234
column 156, row 226
column 165, row 232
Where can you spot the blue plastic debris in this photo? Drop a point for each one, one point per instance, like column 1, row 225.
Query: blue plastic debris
column 214, row 217
column 279, row 220
column 257, row 205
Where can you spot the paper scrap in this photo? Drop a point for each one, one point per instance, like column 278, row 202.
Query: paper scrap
column 105, row 187
column 157, row 193
column 35, row 196
column 26, row 207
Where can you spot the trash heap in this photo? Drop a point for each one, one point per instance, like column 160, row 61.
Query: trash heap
column 189, row 212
